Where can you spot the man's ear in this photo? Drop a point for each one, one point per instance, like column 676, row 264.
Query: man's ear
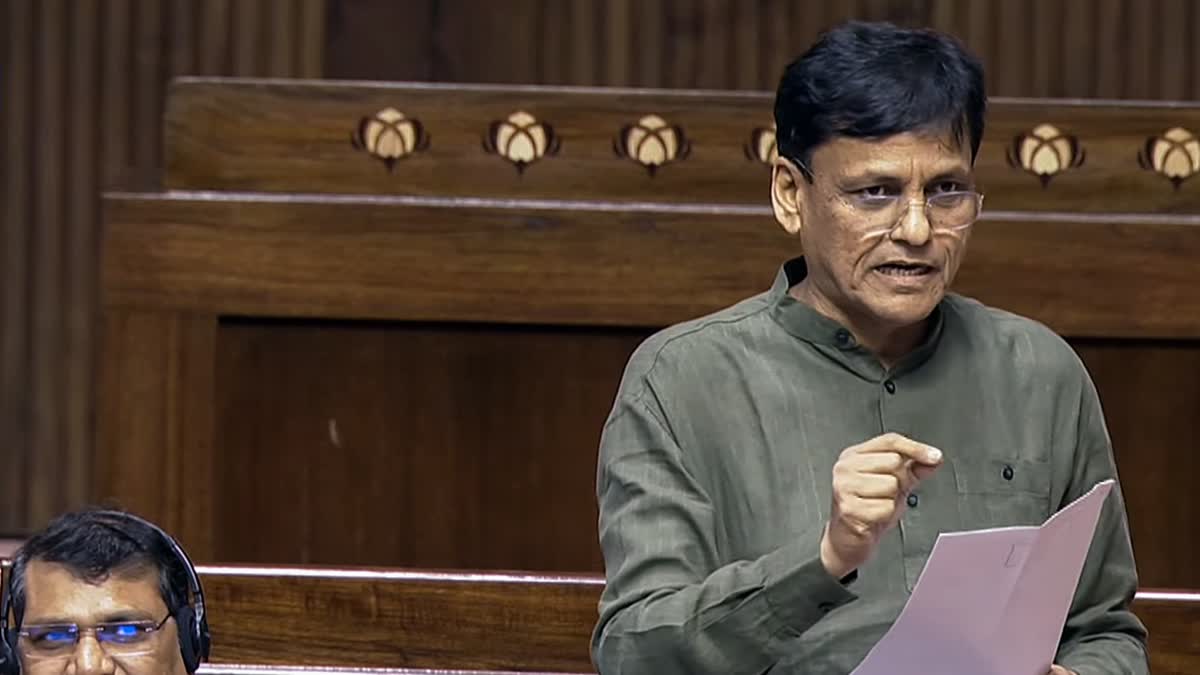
column 786, row 197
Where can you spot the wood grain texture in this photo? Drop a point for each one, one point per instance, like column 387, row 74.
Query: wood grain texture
column 583, row 264
column 243, row 135
column 154, row 451
column 259, row 669
column 402, row 619
column 306, row 405
column 518, row 621
column 1062, row 48
column 1151, row 393
column 408, row 444
column 83, row 104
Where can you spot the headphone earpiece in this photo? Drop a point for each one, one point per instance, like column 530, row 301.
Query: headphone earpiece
column 8, row 636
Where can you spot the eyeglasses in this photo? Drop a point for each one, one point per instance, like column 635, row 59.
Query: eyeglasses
column 118, row 638
column 949, row 212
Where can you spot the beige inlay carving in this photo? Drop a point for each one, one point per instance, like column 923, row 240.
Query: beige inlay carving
column 1175, row 155
column 521, row 139
column 390, row 136
column 652, row 142
column 1045, row 152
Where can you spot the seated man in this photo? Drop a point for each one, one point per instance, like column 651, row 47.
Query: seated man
column 102, row 592
column 772, row 477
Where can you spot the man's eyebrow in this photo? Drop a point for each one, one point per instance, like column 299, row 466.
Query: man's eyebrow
column 951, row 174
column 872, row 175
column 114, row 616
column 45, row 621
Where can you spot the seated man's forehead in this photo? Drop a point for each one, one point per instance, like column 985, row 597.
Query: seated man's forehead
column 54, row 592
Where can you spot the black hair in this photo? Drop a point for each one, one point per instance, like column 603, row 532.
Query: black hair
column 873, row 80
column 95, row 544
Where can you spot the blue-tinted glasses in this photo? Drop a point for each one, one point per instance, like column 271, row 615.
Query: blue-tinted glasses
column 116, row 637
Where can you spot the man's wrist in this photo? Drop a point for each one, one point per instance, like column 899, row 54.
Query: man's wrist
column 837, row 568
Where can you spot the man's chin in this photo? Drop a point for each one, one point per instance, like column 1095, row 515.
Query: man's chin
column 904, row 310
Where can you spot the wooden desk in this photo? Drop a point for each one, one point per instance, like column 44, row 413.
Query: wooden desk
column 499, row 621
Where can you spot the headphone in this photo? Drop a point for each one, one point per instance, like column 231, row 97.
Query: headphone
column 191, row 620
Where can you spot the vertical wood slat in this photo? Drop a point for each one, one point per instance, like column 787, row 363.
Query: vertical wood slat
column 650, row 30
column 1107, row 61
column 616, row 46
column 746, row 60
column 1138, row 40
column 246, row 45
column 14, row 275
column 310, row 45
column 181, row 30
column 278, row 35
column 775, row 29
column 1012, row 27
column 81, row 110
column 1194, row 51
column 148, row 73
column 1080, row 26
column 1047, row 30
column 215, row 38
column 47, row 388
column 711, row 65
column 979, row 26
column 583, row 42
column 1172, row 75
column 81, row 252
column 116, row 93
column 556, row 35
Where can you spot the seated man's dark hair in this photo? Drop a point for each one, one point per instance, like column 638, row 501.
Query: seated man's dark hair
column 873, row 80
column 95, row 544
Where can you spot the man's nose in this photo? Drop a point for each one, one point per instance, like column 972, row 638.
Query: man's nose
column 91, row 659
column 913, row 227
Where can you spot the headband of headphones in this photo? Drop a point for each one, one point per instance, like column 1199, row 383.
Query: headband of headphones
column 191, row 619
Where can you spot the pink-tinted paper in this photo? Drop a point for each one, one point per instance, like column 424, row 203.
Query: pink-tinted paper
column 992, row 602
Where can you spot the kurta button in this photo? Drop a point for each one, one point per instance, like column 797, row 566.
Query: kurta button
column 890, row 386
column 912, row 501
column 1007, row 473
column 844, row 338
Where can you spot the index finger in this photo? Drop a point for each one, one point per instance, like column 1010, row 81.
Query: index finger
column 905, row 447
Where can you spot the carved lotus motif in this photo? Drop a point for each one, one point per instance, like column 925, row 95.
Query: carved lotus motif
column 521, row 139
column 1045, row 152
column 390, row 136
column 762, row 146
column 1175, row 155
column 652, row 142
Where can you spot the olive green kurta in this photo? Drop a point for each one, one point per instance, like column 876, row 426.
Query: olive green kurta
column 715, row 474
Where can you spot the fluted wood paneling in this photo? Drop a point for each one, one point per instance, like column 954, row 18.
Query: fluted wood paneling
column 1048, row 48
column 83, row 84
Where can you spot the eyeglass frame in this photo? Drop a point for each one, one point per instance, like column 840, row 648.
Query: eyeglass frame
column 926, row 203
column 148, row 629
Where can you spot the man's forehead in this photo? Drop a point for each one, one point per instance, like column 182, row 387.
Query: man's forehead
column 54, row 592
column 929, row 152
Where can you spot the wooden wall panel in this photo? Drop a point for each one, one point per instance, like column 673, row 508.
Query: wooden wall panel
column 83, row 84
column 449, row 446
column 1151, row 395
column 1056, row 48
column 83, row 81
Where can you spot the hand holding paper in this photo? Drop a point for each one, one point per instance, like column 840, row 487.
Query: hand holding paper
column 992, row 602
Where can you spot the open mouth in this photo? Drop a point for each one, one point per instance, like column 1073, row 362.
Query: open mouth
column 905, row 269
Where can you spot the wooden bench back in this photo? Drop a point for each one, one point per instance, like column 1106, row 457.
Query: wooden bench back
column 600, row 144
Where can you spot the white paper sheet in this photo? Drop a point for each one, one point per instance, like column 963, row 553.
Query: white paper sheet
column 992, row 602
